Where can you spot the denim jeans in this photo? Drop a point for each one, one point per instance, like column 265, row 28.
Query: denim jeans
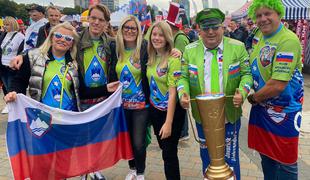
column 274, row 170
column 7, row 76
column 137, row 121
column 169, row 146
column 231, row 147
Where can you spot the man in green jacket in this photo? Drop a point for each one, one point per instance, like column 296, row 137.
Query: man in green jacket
column 216, row 64
column 180, row 40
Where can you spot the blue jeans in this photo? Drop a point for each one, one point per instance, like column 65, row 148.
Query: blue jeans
column 7, row 76
column 274, row 170
column 231, row 147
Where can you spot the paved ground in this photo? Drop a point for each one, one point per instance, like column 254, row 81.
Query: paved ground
column 189, row 153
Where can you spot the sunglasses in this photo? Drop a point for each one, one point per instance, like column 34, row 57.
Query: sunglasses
column 214, row 28
column 68, row 38
column 127, row 28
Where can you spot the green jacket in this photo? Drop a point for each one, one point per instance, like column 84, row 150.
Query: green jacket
column 180, row 41
column 234, row 54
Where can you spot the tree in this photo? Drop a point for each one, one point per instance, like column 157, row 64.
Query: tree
column 8, row 8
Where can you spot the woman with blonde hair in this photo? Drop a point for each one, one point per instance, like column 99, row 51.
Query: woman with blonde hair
column 11, row 41
column 51, row 71
column 130, row 69
column 166, row 114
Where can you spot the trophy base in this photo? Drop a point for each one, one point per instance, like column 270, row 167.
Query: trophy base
column 219, row 173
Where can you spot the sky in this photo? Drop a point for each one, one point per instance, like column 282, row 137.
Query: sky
column 224, row 5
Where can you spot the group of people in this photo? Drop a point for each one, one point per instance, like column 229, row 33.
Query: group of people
column 161, row 73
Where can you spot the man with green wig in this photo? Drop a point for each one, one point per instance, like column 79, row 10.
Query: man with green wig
column 216, row 65
column 275, row 116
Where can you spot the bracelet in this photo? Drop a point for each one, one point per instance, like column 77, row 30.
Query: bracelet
column 251, row 99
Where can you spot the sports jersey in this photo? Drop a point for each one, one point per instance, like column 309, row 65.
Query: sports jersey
column 160, row 79
column 129, row 74
column 278, row 57
column 53, row 82
column 95, row 65
column 274, row 123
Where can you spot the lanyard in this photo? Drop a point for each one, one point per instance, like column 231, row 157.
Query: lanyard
column 62, row 85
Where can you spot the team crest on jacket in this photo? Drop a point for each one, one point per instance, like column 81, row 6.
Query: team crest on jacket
column 101, row 52
column 38, row 121
column 266, row 55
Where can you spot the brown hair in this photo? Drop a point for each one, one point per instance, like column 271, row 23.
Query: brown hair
column 104, row 9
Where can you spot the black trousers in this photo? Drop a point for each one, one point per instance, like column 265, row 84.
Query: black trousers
column 169, row 146
column 137, row 121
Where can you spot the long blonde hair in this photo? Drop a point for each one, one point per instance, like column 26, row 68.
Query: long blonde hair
column 167, row 32
column 45, row 47
column 120, row 46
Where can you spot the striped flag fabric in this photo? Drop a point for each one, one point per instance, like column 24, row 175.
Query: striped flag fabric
column 268, row 133
column 284, row 57
column 49, row 143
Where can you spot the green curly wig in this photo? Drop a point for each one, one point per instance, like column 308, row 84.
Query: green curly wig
column 276, row 5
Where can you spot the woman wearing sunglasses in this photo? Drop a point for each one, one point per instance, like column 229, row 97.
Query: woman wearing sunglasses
column 51, row 71
column 130, row 69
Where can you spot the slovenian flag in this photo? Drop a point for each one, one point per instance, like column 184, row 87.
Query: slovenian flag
column 274, row 134
column 177, row 73
column 234, row 70
column 49, row 143
column 146, row 20
column 284, row 57
column 255, row 40
column 193, row 69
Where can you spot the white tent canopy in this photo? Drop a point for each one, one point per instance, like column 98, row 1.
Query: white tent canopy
column 117, row 16
column 297, row 9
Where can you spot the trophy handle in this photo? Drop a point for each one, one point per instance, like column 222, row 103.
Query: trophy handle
column 190, row 117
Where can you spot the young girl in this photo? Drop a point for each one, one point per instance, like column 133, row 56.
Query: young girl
column 166, row 114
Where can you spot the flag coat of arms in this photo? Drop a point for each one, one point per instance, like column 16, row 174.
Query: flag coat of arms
column 49, row 143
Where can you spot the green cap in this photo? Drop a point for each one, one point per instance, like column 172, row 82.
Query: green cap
column 210, row 17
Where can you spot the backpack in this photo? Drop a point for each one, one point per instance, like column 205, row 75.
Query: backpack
column 183, row 34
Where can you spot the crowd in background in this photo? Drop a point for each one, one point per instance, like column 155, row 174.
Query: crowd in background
column 74, row 66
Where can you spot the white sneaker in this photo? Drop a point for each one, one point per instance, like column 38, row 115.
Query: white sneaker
column 96, row 176
column 132, row 174
column 140, row 177
column 5, row 110
column 185, row 138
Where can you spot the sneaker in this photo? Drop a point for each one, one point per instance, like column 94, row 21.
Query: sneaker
column 140, row 177
column 96, row 176
column 83, row 177
column 184, row 138
column 132, row 174
column 5, row 110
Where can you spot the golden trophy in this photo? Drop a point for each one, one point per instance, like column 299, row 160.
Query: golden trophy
column 212, row 116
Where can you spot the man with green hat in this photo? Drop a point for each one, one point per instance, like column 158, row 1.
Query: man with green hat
column 275, row 116
column 212, row 65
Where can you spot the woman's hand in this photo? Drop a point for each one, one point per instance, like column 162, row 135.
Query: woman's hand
column 16, row 62
column 112, row 86
column 165, row 130
column 176, row 53
column 10, row 97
